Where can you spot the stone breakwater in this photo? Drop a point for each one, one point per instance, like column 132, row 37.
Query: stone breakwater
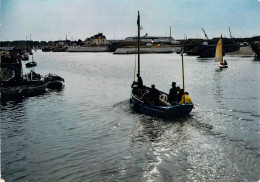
column 243, row 51
column 88, row 49
column 144, row 50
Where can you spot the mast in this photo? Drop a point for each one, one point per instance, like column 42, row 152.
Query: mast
column 182, row 73
column 138, row 26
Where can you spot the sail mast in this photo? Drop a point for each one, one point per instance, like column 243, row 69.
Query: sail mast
column 182, row 72
column 138, row 26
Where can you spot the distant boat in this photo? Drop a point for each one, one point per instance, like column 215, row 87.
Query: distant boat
column 25, row 57
column 162, row 109
column 207, row 49
column 46, row 49
column 54, row 82
column 256, row 48
column 59, row 48
column 219, row 54
column 31, row 64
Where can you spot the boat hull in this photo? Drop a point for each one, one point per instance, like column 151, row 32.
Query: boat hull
column 31, row 64
column 223, row 66
column 160, row 111
column 256, row 48
column 55, row 85
column 32, row 88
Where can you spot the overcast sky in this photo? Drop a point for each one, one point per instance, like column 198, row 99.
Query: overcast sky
column 79, row 19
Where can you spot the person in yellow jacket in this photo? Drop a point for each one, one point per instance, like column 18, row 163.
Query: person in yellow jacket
column 187, row 99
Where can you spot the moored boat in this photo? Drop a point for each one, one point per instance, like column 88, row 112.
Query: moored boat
column 25, row 57
column 31, row 64
column 256, row 48
column 54, row 82
column 46, row 49
column 29, row 88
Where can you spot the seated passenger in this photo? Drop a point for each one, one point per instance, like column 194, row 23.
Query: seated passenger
column 185, row 99
column 225, row 63
column 154, row 95
column 139, row 81
column 180, row 93
column 173, row 93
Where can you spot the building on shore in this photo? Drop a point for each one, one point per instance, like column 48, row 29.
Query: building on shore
column 96, row 40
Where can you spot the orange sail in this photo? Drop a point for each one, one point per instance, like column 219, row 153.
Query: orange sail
column 219, row 51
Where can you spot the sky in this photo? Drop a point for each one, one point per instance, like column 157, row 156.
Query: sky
column 49, row 20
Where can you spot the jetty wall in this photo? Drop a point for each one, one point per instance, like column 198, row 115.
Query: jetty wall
column 88, row 49
column 144, row 50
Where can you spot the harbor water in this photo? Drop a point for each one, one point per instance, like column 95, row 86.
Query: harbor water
column 88, row 132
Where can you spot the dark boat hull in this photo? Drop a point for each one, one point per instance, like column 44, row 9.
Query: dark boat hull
column 223, row 66
column 31, row 64
column 160, row 111
column 27, row 89
column 55, row 85
column 256, row 48
column 54, row 82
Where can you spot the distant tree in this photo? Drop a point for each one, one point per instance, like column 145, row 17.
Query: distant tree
column 80, row 42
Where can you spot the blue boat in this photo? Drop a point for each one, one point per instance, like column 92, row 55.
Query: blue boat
column 163, row 111
column 162, row 108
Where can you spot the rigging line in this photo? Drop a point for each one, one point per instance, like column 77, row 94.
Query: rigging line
column 135, row 67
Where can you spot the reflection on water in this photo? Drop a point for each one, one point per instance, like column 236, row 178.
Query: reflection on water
column 88, row 132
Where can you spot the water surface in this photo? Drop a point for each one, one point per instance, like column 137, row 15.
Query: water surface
column 88, row 132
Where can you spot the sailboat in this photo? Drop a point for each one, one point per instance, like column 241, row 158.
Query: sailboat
column 160, row 109
column 31, row 64
column 25, row 57
column 219, row 54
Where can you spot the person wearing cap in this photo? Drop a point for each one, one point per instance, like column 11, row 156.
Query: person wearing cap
column 172, row 93
column 185, row 99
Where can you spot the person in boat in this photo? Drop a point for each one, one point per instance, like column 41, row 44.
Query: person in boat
column 173, row 93
column 185, row 99
column 154, row 95
column 223, row 63
column 178, row 89
column 139, row 81
column 180, row 93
